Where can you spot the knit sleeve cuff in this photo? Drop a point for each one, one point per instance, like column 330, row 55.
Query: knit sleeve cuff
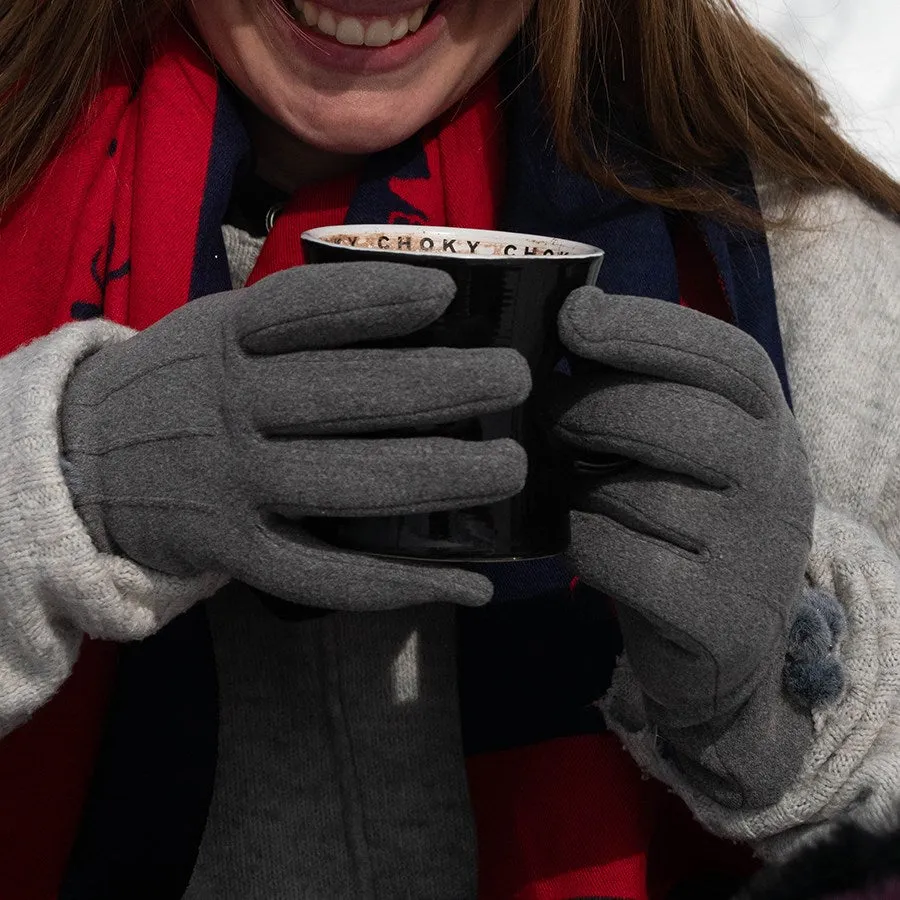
column 851, row 772
column 54, row 584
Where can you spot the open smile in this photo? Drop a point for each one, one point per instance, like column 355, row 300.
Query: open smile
column 362, row 36
column 358, row 30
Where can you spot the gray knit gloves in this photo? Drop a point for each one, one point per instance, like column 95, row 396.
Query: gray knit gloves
column 203, row 442
column 703, row 540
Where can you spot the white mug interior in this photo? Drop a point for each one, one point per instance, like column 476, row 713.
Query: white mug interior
column 423, row 239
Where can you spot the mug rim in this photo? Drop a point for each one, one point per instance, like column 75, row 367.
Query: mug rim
column 578, row 250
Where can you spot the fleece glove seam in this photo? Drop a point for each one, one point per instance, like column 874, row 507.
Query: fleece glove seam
column 337, row 316
column 621, row 443
column 761, row 390
column 146, row 438
column 100, row 397
column 464, row 409
column 686, row 542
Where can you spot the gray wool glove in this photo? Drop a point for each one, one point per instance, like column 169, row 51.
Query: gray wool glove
column 202, row 443
column 703, row 539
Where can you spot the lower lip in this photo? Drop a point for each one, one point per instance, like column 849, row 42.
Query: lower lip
column 327, row 53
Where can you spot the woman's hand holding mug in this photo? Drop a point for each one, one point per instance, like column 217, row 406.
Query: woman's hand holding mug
column 204, row 442
column 703, row 540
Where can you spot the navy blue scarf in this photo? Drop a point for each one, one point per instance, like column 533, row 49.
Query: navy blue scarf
column 544, row 197
column 532, row 664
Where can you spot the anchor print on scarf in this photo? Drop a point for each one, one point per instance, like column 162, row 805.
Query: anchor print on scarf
column 103, row 273
column 92, row 309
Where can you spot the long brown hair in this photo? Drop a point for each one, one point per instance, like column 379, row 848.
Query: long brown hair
column 700, row 86
column 698, row 83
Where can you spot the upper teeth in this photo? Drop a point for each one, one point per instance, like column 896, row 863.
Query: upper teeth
column 352, row 31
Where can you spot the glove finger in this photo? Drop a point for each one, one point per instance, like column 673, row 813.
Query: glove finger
column 675, row 626
column 644, row 575
column 339, row 304
column 354, row 391
column 664, row 424
column 286, row 562
column 668, row 341
column 385, row 477
column 638, row 569
column 670, row 508
column 717, row 525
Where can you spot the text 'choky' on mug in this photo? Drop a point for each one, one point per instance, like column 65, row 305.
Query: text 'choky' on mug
column 437, row 241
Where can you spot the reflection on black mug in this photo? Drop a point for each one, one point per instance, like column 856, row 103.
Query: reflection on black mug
column 510, row 288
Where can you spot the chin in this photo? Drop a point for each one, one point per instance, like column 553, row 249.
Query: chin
column 354, row 134
column 358, row 122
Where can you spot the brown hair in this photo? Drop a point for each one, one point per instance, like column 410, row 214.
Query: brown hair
column 700, row 85
column 52, row 54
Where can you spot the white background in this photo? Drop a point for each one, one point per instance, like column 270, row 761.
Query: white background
column 852, row 47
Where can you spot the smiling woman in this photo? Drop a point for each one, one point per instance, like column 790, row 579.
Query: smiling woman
column 186, row 399
column 308, row 77
column 724, row 86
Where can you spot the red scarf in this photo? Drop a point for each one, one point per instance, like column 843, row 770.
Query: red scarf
column 110, row 228
column 126, row 188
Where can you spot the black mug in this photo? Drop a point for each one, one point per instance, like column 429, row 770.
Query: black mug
column 509, row 290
